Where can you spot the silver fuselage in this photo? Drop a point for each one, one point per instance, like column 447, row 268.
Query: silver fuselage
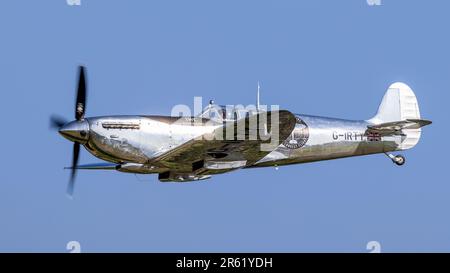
column 139, row 139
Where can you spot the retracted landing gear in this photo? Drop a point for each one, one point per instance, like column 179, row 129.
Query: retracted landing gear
column 397, row 159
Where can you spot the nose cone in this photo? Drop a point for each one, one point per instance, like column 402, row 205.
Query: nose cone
column 77, row 131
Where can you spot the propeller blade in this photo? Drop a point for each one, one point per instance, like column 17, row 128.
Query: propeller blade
column 80, row 105
column 76, row 152
column 57, row 122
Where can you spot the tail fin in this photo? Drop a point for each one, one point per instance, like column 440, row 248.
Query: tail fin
column 400, row 104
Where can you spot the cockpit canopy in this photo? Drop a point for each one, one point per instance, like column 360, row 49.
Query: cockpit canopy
column 222, row 113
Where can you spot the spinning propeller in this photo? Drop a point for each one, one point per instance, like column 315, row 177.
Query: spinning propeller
column 77, row 130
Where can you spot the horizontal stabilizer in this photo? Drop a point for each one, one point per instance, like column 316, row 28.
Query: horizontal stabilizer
column 396, row 127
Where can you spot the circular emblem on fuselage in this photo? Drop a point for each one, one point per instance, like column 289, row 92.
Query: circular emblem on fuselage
column 299, row 135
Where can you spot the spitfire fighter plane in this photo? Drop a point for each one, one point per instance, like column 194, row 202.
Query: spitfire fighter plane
column 223, row 139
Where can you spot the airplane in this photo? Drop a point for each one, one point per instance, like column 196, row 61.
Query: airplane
column 191, row 148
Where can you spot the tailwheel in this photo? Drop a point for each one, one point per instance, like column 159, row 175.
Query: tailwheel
column 397, row 159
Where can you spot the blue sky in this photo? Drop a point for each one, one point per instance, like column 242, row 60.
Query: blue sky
column 331, row 58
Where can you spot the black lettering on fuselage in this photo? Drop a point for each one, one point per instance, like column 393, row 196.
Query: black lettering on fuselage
column 348, row 136
column 335, row 135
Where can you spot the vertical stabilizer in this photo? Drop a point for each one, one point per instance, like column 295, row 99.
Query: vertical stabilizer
column 399, row 104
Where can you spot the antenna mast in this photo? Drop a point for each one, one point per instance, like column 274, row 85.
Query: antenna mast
column 257, row 98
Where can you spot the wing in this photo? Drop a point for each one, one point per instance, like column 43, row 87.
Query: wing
column 234, row 145
column 396, row 127
column 95, row 166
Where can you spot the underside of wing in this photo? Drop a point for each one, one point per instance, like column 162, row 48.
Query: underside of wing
column 234, row 145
